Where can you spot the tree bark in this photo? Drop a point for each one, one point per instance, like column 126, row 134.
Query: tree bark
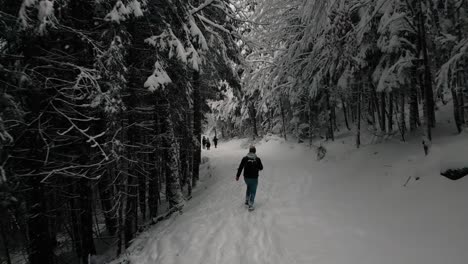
column 330, row 131
column 383, row 110
column 456, row 111
column 171, row 161
column 253, row 117
column 131, row 172
column 106, row 195
column 142, row 188
column 358, row 130
column 40, row 248
column 310, row 123
column 414, row 108
column 5, row 243
column 463, row 104
column 153, row 185
column 197, row 127
column 345, row 113
column 390, row 112
column 86, row 219
column 283, row 117
column 402, row 116
column 189, row 161
column 428, row 92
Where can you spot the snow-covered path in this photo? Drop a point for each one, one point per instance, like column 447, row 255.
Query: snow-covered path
column 350, row 209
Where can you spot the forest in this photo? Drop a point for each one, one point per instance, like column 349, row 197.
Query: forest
column 104, row 102
column 383, row 64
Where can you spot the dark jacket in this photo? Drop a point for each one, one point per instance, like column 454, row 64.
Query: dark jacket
column 251, row 164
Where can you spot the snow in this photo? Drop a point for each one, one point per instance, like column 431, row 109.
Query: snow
column 193, row 59
column 45, row 14
column 159, row 78
column 351, row 207
column 23, row 13
column 121, row 12
column 46, row 9
column 179, row 51
column 169, row 40
column 197, row 34
column 135, row 8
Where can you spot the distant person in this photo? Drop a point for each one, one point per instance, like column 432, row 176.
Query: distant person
column 251, row 164
column 215, row 141
column 203, row 142
column 208, row 144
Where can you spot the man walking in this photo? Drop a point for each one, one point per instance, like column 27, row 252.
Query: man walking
column 251, row 164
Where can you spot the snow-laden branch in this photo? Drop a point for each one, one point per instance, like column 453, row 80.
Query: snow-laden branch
column 122, row 11
column 204, row 19
column 205, row 4
column 44, row 11
column 159, row 79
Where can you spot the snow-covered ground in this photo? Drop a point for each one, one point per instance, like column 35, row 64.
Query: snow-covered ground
column 350, row 208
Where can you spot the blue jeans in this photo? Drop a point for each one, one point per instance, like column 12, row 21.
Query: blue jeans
column 251, row 190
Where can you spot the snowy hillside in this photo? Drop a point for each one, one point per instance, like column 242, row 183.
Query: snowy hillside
column 361, row 206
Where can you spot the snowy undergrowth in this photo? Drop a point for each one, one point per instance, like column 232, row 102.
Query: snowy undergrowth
column 206, row 177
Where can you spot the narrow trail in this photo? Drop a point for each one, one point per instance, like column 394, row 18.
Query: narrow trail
column 308, row 212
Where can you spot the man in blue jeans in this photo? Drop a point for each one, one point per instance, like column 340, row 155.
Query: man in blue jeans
column 251, row 164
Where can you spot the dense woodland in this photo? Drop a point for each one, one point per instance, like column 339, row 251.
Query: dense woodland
column 101, row 117
column 314, row 67
column 103, row 102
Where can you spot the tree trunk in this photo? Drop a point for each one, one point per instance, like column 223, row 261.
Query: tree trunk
column 382, row 112
column 121, row 184
column 40, row 248
column 283, row 117
column 131, row 171
column 456, row 111
column 189, row 161
column 414, row 108
column 253, row 117
column 197, row 127
column 358, row 130
column 5, row 240
column 375, row 101
column 428, row 92
column 75, row 222
column 463, row 104
column 86, row 219
column 330, row 132
column 335, row 125
column 171, row 160
column 310, row 123
column 106, row 195
column 402, row 116
column 120, row 221
column 372, row 108
column 142, row 188
column 345, row 113
column 390, row 112
column 153, row 185
column 131, row 212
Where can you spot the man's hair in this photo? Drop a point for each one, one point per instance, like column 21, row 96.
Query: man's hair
column 252, row 149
